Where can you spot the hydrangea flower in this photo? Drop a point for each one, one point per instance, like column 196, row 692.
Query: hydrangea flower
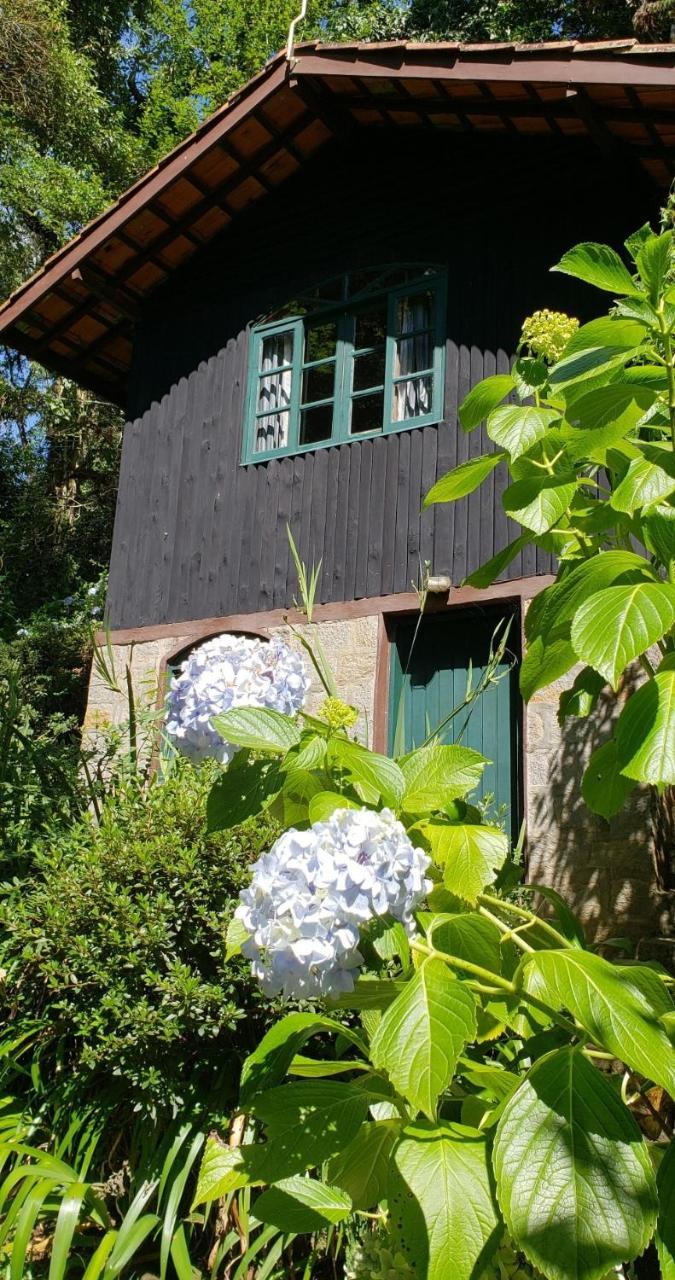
column 312, row 892
column 231, row 671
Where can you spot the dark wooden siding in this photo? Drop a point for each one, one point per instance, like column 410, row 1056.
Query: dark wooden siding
column 198, row 535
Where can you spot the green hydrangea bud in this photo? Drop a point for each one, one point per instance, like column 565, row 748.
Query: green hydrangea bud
column 546, row 334
column 338, row 714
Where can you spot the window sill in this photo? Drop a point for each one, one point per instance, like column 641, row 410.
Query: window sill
column 293, row 451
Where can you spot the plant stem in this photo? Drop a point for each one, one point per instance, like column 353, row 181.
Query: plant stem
column 524, row 914
column 506, row 931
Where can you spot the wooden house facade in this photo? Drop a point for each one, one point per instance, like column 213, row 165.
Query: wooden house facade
column 290, row 308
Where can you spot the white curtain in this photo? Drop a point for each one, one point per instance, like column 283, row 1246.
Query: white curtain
column 413, row 398
column 274, row 392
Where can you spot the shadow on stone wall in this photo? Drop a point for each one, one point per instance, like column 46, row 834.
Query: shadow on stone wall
column 605, row 870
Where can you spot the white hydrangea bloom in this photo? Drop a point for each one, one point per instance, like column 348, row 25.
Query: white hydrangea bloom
column 231, row 671
column 314, row 889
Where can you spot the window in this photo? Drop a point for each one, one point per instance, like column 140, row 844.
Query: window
column 359, row 356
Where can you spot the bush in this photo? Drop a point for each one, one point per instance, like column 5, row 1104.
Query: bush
column 116, row 951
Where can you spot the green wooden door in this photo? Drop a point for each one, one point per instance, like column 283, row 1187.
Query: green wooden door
column 428, row 683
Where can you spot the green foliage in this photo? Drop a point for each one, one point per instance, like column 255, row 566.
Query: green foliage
column 116, row 951
column 469, row 1100
column 589, row 444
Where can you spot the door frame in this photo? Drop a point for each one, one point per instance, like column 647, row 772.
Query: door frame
column 516, row 594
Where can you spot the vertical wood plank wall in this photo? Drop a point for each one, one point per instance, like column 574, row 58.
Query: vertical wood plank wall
column 198, row 535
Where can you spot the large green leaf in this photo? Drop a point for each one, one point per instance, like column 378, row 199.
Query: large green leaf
column 323, row 805
column 364, row 766
column 606, row 331
column 483, row 398
column 617, row 625
column 241, row 791
column 665, row 1231
column 467, row 936
column 488, row 572
column 543, row 663
column 305, row 1122
column 435, row 775
column 659, row 529
column 619, row 1006
column 469, row 854
column 362, row 1168
column 604, row 787
column 645, row 732
column 647, row 481
column 301, row 1205
column 618, row 404
column 443, row 1211
column 268, row 1063
column 583, row 695
column 464, row 479
column 422, row 1034
column 560, row 602
column 516, row 427
column 574, row 1179
column 599, row 265
column 259, row 728
column 538, row 502
column 654, row 261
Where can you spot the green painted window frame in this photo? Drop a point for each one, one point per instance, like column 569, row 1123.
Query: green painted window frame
column 343, row 394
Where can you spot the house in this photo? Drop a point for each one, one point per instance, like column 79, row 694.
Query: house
column 290, row 308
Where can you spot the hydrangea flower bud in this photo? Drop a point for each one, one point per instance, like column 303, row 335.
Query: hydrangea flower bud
column 547, row 333
column 231, row 671
column 310, row 894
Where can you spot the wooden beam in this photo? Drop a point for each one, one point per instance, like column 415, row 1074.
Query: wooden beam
column 571, row 70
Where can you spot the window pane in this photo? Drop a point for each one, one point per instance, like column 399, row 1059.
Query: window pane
column 413, row 354
column 275, row 350
column 367, row 413
column 274, row 391
column 369, row 370
column 271, row 432
column 318, row 382
column 413, row 398
column 414, row 312
column 320, row 341
column 371, row 326
column 316, row 424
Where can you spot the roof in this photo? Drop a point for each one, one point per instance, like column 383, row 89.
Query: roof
column 76, row 314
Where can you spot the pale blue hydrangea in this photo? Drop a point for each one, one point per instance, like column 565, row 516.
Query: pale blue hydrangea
column 314, row 890
column 231, row 671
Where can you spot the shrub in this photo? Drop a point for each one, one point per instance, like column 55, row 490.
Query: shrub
column 116, row 951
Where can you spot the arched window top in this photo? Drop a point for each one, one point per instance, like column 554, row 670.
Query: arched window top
column 359, row 355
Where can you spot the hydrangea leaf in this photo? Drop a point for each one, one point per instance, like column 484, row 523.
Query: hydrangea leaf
column 443, row 1210
column 619, row 1006
column 370, row 768
column 574, row 1178
column 606, row 331
column 242, row 790
column 220, row 1172
column 437, row 774
column 270, row 1060
column 645, row 732
column 464, row 479
column 552, row 617
column 647, row 480
column 305, row 1122
column 467, row 936
column 324, row 804
column 613, row 627
column 259, row 728
column 544, row 662
column 538, row 502
column 469, row 854
column 582, row 697
column 236, row 934
column 422, row 1034
column 665, row 1230
column 599, row 265
column 483, row 398
column 618, row 405
column 362, row 1168
column 488, row 572
column 516, row 427
column 302, row 1205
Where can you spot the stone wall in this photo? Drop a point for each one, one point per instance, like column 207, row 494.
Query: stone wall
column 604, row 870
